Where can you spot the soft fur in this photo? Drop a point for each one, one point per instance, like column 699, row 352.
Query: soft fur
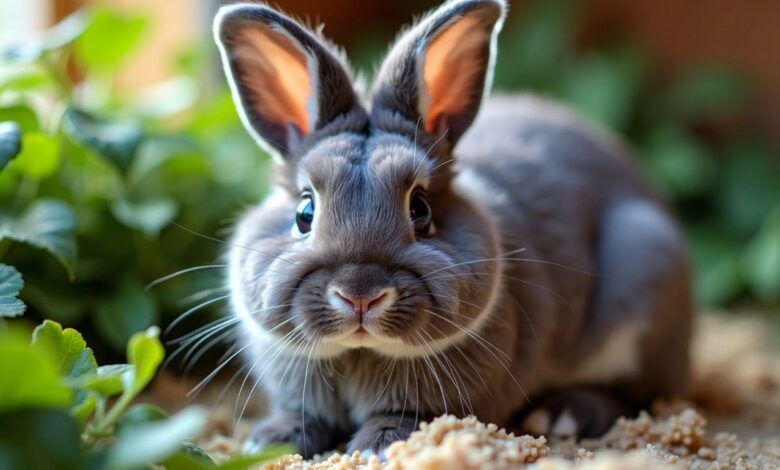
column 553, row 279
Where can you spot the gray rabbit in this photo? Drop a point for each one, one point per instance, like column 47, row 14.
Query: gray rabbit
column 421, row 256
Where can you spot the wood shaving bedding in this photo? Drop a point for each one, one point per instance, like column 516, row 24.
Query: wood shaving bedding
column 736, row 389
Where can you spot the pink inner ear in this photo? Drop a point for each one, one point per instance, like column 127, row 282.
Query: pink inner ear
column 274, row 70
column 453, row 66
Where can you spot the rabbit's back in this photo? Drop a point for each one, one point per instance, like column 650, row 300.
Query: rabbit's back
column 534, row 148
column 549, row 177
column 608, row 255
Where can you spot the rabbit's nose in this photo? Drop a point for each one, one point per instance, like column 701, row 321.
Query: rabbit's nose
column 361, row 304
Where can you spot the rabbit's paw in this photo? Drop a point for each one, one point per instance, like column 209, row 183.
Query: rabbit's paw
column 579, row 412
column 308, row 435
column 378, row 432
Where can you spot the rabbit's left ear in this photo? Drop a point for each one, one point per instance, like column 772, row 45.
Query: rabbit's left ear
column 439, row 70
column 286, row 81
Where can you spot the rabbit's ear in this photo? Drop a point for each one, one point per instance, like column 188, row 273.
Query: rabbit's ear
column 439, row 70
column 286, row 81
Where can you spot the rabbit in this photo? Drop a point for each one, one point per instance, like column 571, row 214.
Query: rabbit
column 427, row 250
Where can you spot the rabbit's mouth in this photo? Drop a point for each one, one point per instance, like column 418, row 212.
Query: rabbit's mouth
column 361, row 338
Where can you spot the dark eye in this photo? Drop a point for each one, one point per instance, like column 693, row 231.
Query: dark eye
column 304, row 214
column 420, row 213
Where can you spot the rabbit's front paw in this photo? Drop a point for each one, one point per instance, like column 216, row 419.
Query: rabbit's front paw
column 308, row 435
column 378, row 432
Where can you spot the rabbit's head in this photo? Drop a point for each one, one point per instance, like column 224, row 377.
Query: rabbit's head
column 366, row 241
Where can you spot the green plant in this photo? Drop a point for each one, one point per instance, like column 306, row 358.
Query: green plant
column 96, row 177
column 56, row 407
column 92, row 178
column 720, row 174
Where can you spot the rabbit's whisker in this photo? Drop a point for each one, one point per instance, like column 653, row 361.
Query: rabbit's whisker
column 223, row 242
column 275, row 351
column 200, row 295
column 472, row 334
column 168, row 277
column 194, row 309
column 194, row 340
column 480, row 340
column 446, row 367
column 432, row 370
column 192, row 357
column 468, row 360
column 502, row 257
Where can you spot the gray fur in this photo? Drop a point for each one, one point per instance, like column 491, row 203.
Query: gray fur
column 562, row 233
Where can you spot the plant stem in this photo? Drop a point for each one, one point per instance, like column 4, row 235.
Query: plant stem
column 116, row 411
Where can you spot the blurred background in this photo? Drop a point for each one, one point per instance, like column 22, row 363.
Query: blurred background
column 134, row 163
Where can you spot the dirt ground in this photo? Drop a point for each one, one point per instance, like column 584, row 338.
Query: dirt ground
column 730, row 419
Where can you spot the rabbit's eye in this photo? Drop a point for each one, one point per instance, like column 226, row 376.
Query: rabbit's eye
column 420, row 213
column 304, row 214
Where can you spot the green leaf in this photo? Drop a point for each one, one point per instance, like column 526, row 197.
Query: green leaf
column 10, row 285
column 68, row 347
column 191, row 449
column 141, row 414
column 82, row 410
column 716, row 260
column 70, row 351
column 22, row 115
column 706, row 91
column 10, row 142
column 110, row 380
column 55, row 300
column 21, row 78
column 129, row 310
column 28, row 377
column 247, row 461
column 539, row 46
column 147, row 443
column 186, row 461
column 109, row 39
column 679, row 163
column 47, row 224
column 604, row 87
column 145, row 353
column 39, row 439
column 762, row 260
column 149, row 216
column 40, row 156
column 62, row 34
column 117, row 141
column 749, row 188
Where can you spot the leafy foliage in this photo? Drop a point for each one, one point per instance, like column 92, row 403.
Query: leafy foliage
column 108, row 178
column 10, row 285
column 10, row 142
column 56, row 409
column 46, row 224
column 96, row 177
column 689, row 136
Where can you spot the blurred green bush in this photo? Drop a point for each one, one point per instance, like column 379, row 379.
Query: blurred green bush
column 724, row 185
column 103, row 174
column 123, row 189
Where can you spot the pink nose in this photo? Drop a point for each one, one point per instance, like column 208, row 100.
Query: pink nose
column 361, row 304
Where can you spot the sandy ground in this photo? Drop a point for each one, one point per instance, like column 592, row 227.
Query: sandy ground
column 730, row 419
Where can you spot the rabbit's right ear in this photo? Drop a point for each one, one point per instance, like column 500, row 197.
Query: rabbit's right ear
column 285, row 80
